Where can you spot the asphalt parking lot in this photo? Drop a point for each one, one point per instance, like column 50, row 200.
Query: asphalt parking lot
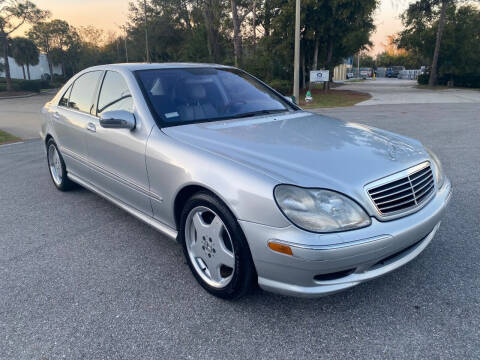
column 82, row 279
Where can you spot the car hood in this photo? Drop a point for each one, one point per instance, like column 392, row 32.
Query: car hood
column 306, row 149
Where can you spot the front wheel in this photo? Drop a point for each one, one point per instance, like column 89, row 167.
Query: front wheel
column 215, row 247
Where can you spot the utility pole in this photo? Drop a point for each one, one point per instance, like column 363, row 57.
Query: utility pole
column 358, row 64
column 146, row 31
column 296, row 62
column 125, row 42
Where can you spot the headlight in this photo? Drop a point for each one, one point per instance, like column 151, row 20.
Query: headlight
column 437, row 169
column 320, row 210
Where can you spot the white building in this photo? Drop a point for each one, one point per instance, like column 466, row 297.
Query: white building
column 36, row 71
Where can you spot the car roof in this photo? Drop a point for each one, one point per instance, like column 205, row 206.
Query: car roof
column 152, row 66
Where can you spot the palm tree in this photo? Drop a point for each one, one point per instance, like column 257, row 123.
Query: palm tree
column 14, row 14
column 25, row 52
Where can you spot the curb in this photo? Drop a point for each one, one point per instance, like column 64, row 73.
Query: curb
column 49, row 91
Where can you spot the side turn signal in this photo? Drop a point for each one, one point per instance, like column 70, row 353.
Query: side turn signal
column 281, row 248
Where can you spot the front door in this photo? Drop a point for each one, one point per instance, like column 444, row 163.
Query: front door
column 117, row 156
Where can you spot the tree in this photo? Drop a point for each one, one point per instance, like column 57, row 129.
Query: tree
column 54, row 38
column 458, row 56
column 441, row 24
column 421, row 15
column 25, row 53
column 14, row 14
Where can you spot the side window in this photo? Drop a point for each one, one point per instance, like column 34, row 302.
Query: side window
column 114, row 94
column 81, row 97
column 64, row 100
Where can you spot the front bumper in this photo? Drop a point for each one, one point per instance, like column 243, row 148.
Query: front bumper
column 326, row 263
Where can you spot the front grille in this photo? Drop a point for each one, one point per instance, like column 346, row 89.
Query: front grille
column 405, row 193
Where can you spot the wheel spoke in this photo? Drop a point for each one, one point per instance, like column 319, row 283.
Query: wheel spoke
column 224, row 256
column 216, row 228
column 196, row 248
column 214, row 270
column 199, row 224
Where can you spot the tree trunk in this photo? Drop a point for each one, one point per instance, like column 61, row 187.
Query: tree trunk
column 267, row 18
column 237, row 40
column 329, row 64
column 28, row 71
column 315, row 54
column 4, row 40
column 304, row 73
column 254, row 25
column 23, row 69
column 50, row 68
column 212, row 33
column 432, row 81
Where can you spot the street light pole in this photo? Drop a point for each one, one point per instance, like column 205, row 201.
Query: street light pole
column 296, row 63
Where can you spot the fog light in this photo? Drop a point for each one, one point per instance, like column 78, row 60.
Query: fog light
column 281, row 248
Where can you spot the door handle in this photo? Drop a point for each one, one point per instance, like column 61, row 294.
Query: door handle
column 56, row 116
column 91, row 127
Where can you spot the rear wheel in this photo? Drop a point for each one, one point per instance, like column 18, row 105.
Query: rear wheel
column 56, row 167
column 215, row 247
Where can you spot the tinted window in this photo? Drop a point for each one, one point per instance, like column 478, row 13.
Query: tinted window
column 83, row 90
column 64, row 100
column 114, row 94
column 203, row 94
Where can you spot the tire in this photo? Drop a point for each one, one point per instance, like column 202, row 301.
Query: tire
column 204, row 252
column 57, row 168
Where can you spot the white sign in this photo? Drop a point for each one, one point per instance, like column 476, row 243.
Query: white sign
column 319, row 76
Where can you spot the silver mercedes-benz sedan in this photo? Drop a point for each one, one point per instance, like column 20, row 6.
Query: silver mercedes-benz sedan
column 255, row 189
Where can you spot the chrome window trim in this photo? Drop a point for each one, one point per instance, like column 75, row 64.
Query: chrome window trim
column 394, row 177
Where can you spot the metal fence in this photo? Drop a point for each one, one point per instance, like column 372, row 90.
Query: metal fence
column 409, row 74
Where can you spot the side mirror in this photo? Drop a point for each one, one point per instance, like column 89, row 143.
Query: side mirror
column 117, row 119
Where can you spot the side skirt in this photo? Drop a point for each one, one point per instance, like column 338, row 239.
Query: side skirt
column 167, row 230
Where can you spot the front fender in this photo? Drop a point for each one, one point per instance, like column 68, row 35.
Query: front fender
column 172, row 165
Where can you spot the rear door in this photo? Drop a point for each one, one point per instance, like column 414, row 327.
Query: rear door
column 70, row 121
column 117, row 156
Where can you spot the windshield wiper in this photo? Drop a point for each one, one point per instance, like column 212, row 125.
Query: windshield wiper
column 258, row 112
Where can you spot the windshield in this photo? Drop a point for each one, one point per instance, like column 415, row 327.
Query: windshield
column 189, row 95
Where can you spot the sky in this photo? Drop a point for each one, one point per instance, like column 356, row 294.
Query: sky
column 110, row 14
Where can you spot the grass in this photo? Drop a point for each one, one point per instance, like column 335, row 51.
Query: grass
column 333, row 98
column 6, row 138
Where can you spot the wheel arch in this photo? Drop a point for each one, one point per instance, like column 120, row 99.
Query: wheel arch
column 187, row 192
column 47, row 139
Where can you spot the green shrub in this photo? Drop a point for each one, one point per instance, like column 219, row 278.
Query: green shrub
column 29, row 85
column 423, row 79
column 461, row 80
column 282, row 86
column 56, row 84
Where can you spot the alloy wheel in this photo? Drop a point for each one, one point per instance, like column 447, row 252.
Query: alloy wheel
column 209, row 246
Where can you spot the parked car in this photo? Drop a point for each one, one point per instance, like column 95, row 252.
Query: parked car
column 255, row 189
column 366, row 73
column 393, row 72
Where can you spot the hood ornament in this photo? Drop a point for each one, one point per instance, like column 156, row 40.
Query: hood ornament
column 392, row 151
